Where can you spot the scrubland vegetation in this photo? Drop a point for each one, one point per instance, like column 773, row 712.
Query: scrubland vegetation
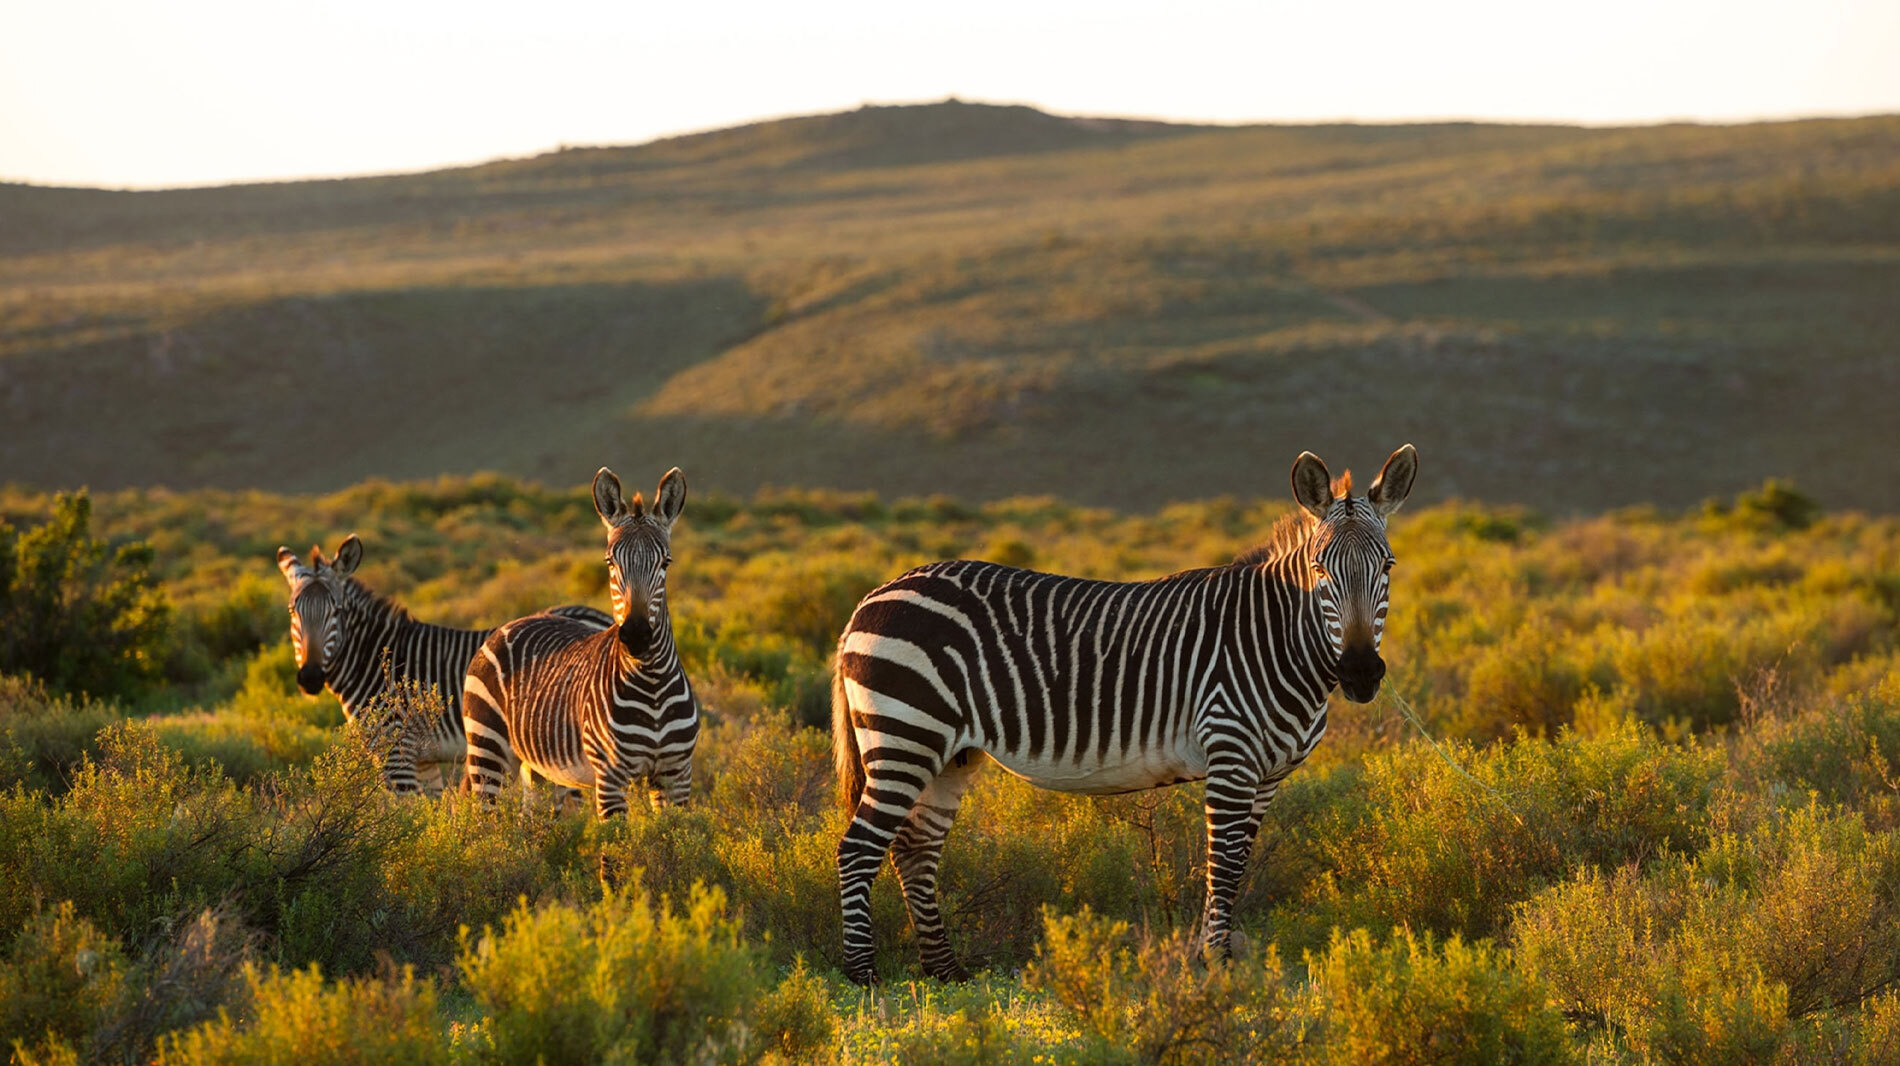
column 1665, row 826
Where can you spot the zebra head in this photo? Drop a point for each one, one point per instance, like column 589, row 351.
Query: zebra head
column 639, row 549
column 316, row 615
column 1351, row 562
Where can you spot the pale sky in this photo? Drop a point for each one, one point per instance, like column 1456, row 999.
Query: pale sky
column 140, row 93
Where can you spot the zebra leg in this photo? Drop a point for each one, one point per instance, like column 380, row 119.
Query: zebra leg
column 671, row 786
column 890, row 791
column 491, row 755
column 401, row 773
column 400, row 776
column 1234, row 808
column 610, row 791
column 916, row 853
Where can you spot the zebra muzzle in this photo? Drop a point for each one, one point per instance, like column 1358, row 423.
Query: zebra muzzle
column 310, row 679
column 636, row 635
column 1360, row 671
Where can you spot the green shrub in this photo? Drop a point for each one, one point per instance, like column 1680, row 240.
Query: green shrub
column 77, row 614
column 463, row 862
column 1415, row 1001
column 139, row 838
column 316, row 883
column 177, row 983
column 1707, row 958
column 244, row 746
column 58, row 978
column 805, row 598
column 299, row 1017
column 767, row 766
column 1720, row 897
column 787, row 674
column 1156, row 1000
column 44, row 738
column 226, row 622
column 142, row 840
column 1873, row 1036
column 269, row 691
column 1844, row 751
column 628, row 979
column 1774, row 506
column 1721, row 1015
column 784, row 877
column 1525, row 682
column 1421, row 844
column 1813, row 898
column 793, row 1022
column 1017, row 849
column 986, row 1022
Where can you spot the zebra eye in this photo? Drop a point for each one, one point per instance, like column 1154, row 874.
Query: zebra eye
column 1389, row 564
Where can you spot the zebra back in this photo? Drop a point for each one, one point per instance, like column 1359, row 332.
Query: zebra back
column 1066, row 675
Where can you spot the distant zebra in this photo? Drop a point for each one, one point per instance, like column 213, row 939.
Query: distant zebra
column 342, row 632
column 580, row 707
column 1104, row 687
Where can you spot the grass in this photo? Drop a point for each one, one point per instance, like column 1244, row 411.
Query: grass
column 1681, row 846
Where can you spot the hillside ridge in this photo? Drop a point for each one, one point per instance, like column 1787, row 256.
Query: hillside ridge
column 989, row 300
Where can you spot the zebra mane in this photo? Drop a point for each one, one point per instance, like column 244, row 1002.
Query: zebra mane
column 1287, row 536
column 366, row 600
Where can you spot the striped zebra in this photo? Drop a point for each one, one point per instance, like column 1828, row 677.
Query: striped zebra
column 1103, row 687
column 585, row 708
column 363, row 646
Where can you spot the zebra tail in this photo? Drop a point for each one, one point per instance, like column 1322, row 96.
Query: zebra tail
column 844, row 745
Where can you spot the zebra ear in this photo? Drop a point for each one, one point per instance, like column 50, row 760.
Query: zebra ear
column 318, row 560
column 1395, row 481
column 609, row 501
column 287, row 563
column 1312, row 485
column 348, row 554
column 670, row 498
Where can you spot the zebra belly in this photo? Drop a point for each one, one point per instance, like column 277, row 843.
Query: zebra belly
column 577, row 775
column 1140, row 770
column 553, row 750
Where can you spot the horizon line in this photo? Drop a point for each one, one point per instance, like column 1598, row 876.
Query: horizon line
column 1185, row 123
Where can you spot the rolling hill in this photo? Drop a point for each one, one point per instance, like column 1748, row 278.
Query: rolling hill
column 991, row 301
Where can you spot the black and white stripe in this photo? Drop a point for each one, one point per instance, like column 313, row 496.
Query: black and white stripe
column 1103, row 687
column 583, row 708
column 362, row 646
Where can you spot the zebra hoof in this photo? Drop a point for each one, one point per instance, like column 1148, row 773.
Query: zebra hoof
column 953, row 974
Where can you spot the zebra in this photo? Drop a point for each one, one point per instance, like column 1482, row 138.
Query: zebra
column 363, row 646
column 580, row 707
column 1104, row 687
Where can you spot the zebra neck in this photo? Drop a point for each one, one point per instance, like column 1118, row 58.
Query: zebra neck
column 661, row 659
column 371, row 624
column 1307, row 624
